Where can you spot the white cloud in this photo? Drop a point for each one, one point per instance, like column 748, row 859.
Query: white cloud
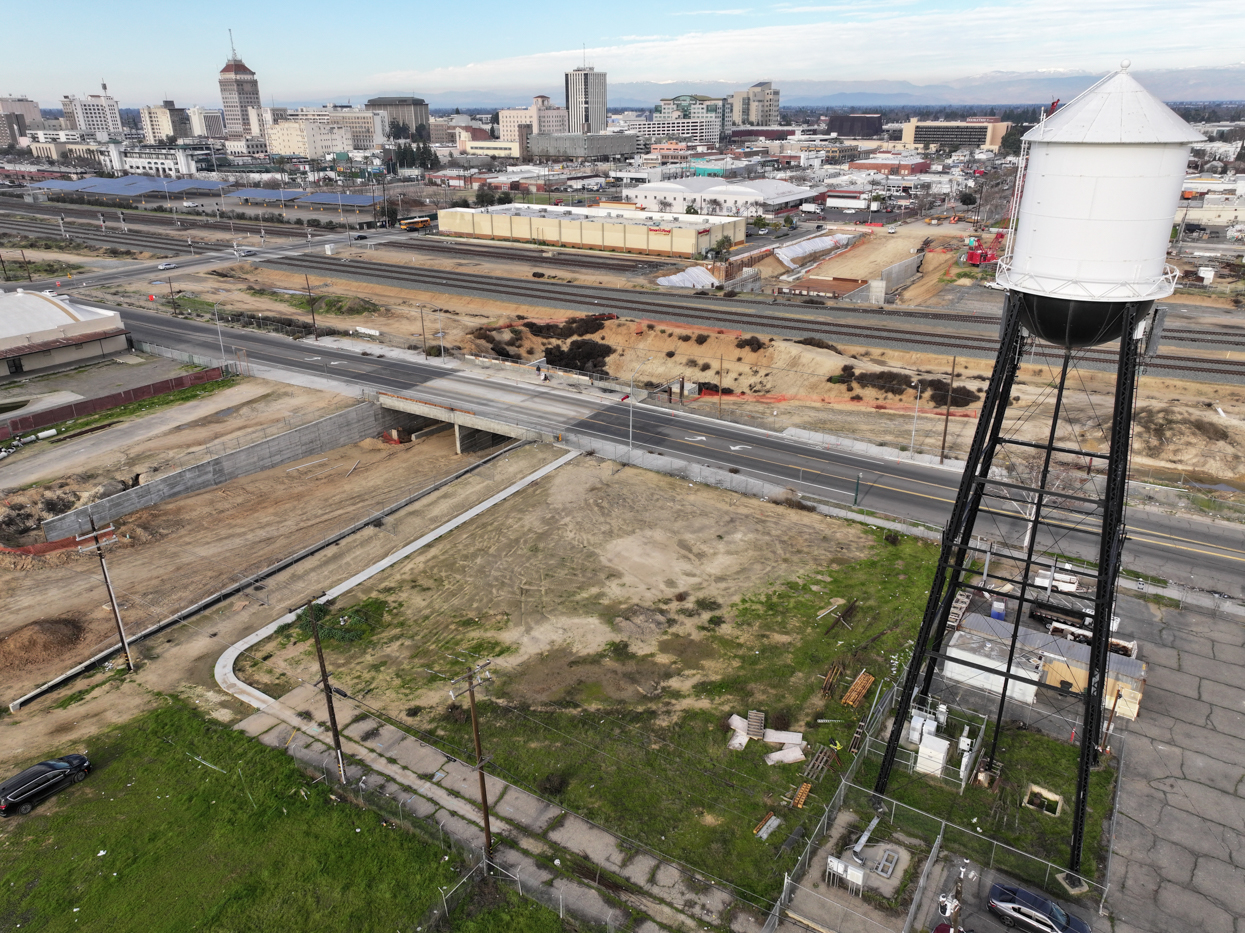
column 1028, row 36
column 710, row 12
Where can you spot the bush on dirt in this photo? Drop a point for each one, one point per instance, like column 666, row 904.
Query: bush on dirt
column 582, row 355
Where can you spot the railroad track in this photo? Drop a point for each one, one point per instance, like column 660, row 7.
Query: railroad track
column 509, row 254
column 89, row 215
column 145, row 242
column 881, row 335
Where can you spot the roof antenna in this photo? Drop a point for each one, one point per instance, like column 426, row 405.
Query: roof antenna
column 233, row 53
column 104, row 86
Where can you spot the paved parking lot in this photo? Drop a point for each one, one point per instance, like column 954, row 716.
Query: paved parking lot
column 1180, row 834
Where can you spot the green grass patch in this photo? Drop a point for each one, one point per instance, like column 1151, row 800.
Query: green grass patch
column 344, row 305
column 50, row 245
column 142, row 407
column 491, row 908
column 354, row 625
column 1028, row 757
column 156, row 841
column 16, row 271
column 662, row 775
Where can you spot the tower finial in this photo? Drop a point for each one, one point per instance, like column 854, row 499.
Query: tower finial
column 233, row 53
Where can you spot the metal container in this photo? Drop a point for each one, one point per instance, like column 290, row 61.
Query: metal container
column 1102, row 180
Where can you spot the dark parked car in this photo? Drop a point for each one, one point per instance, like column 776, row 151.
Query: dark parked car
column 1024, row 910
column 19, row 794
column 360, row 236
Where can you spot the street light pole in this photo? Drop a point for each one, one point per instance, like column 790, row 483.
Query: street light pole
column 218, row 333
column 631, row 406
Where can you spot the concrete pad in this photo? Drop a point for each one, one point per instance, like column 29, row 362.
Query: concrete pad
column 1180, row 902
column 519, row 863
column 279, row 736
column 462, row 780
column 257, row 724
column 583, row 838
column 528, row 811
column 454, row 825
column 415, row 756
column 638, row 869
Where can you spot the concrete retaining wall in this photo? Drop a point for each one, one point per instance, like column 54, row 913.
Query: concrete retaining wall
column 345, row 427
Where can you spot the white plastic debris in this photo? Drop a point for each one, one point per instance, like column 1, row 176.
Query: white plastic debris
column 785, row 756
column 783, row 738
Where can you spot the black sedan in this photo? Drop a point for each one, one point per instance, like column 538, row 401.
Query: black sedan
column 20, row 793
column 1024, row 910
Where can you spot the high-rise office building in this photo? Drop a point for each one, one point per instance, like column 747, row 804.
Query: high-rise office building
column 23, row 105
column 93, row 115
column 159, row 123
column 204, row 122
column 539, row 118
column 239, row 91
column 585, row 100
column 757, row 106
column 410, row 112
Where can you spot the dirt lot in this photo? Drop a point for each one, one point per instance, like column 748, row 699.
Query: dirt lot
column 189, row 545
column 145, row 445
column 550, row 578
column 202, row 541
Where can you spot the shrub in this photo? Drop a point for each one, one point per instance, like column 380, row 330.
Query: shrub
column 582, row 355
column 780, row 720
column 701, row 338
column 715, row 621
column 752, row 343
column 705, row 367
column 455, row 713
column 681, row 596
column 818, row 343
column 684, row 338
column 729, row 293
column 538, row 275
column 707, row 604
column 553, row 784
column 669, row 354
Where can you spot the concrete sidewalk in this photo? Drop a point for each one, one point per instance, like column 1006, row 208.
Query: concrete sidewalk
column 442, row 790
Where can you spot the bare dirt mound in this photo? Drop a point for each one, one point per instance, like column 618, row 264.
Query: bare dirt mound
column 39, row 643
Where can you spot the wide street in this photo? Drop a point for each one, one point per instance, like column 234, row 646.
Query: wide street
column 1186, row 550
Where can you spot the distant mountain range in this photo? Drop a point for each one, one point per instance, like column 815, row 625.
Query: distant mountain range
column 1001, row 87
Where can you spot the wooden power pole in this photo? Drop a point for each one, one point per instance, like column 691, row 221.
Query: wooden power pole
column 328, row 692
column 97, row 546
column 472, row 677
column 946, row 420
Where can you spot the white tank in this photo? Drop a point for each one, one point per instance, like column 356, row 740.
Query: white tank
column 1100, row 189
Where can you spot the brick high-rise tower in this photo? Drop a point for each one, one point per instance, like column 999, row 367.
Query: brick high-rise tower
column 239, row 91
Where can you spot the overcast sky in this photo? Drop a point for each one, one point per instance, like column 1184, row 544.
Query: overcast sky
column 321, row 51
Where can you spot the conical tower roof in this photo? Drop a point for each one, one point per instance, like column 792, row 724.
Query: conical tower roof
column 1116, row 110
column 235, row 66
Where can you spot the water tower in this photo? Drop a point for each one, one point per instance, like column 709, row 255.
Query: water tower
column 1096, row 192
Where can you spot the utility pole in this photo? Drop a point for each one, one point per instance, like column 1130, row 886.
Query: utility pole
column 423, row 330
column 946, row 421
column 98, row 547
column 471, row 677
column 172, row 297
column 719, row 386
column 328, row 691
column 27, row 265
column 311, row 304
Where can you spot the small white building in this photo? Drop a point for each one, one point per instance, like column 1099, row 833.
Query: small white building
column 714, row 196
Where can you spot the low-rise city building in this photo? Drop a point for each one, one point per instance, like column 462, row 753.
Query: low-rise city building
column 309, row 138
column 540, row 118
column 594, row 146
column 713, row 196
column 629, row 231
column 977, row 132
column 164, row 121
column 42, row 332
column 892, row 165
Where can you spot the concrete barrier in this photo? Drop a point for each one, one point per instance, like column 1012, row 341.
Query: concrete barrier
column 337, row 430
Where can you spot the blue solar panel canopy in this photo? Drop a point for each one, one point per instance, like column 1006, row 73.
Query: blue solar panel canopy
column 196, row 184
column 63, row 184
column 345, row 200
column 267, row 194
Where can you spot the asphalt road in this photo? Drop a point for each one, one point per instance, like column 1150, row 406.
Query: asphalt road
column 1185, row 550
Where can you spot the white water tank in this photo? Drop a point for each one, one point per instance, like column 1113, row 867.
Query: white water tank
column 1099, row 195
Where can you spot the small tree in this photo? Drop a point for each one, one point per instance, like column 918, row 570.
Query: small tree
column 460, row 202
column 485, row 197
column 723, row 244
column 664, row 205
column 788, row 221
column 691, row 209
column 504, row 197
column 968, row 199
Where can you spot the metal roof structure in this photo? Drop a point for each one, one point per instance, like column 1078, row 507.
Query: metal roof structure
column 133, row 185
column 28, row 312
column 269, row 194
column 1116, row 110
column 345, row 200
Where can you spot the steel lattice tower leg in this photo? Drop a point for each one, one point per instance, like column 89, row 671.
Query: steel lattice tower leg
column 957, row 534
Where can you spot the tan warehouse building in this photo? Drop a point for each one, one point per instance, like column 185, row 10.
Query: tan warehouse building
column 973, row 133
column 623, row 231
